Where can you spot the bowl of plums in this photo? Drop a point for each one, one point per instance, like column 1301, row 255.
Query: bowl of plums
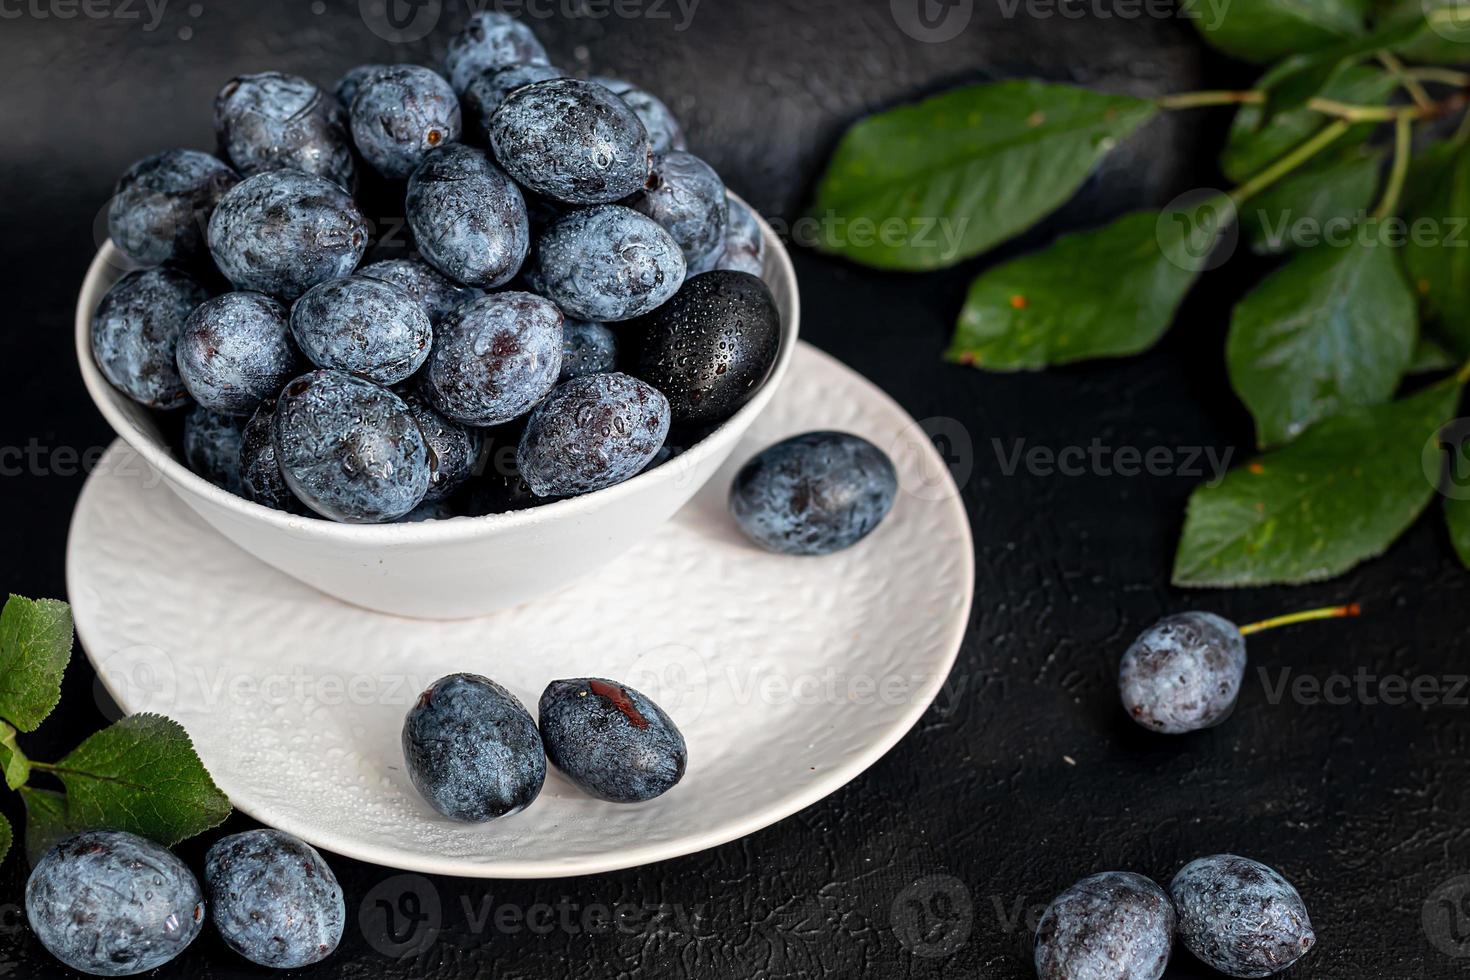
column 437, row 340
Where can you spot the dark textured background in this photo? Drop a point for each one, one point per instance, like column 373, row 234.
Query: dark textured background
column 1363, row 806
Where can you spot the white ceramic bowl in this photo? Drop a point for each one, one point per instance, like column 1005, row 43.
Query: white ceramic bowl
column 447, row 569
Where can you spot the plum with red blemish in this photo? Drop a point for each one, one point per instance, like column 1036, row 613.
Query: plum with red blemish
column 494, row 358
column 612, row 741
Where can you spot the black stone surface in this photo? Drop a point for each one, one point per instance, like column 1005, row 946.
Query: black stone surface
column 1365, row 807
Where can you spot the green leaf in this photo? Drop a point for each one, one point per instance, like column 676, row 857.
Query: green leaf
column 1103, row 293
column 1265, row 30
column 1442, row 30
column 1334, row 328
column 1258, row 137
column 141, row 775
column 1457, row 518
column 13, row 762
column 35, row 645
column 924, row 186
column 1323, row 198
column 1430, row 355
column 1338, row 495
column 1437, row 253
column 46, row 821
column 7, row 837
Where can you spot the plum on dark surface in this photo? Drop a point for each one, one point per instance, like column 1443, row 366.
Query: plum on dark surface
column 472, row 750
column 275, row 121
column 283, row 231
column 273, row 899
column 235, row 351
column 135, row 334
column 612, row 741
column 1240, row 917
column 161, row 206
column 468, row 218
column 399, row 114
column 489, row 41
column 572, row 141
column 710, row 346
column 364, row 326
column 592, row 432
column 494, row 358
column 606, row 264
column 1110, row 926
column 349, row 449
column 113, row 904
column 814, row 493
column 1183, row 673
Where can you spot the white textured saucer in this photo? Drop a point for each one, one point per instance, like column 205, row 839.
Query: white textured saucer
column 788, row 676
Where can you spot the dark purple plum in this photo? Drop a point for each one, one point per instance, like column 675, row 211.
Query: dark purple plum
column 813, row 494
column 571, row 141
column 745, row 246
column 494, row 358
column 710, row 347
column 348, row 85
column 472, row 750
column 489, row 89
column 275, row 121
column 212, row 447
column 664, row 131
column 436, row 292
column 364, row 326
column 400, row 114
column 113, row 904
column 592, row 432
column 587, row 348
column 160, row 209
column 607, row 264
column 468, row 218
column 135, row 334
column 454, row 449
column 350, row 449
column 1240, row 917
column 273, row 899
column 1110, row 926
column 235, row 351
column 261, row 479
column 610, row 740
column 687, row 198
column 284, row 231
column 1183, row 673
column 489, row 41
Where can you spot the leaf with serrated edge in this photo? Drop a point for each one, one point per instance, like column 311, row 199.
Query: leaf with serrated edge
column 13, row 762
column 963, row 171
column 1340, row 494
column 45, row 821
column 1110, row 292
column 141, row 775
column 35, row 645
column 1334, row 328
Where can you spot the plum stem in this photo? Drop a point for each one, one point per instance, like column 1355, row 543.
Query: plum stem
column 1329, row 612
